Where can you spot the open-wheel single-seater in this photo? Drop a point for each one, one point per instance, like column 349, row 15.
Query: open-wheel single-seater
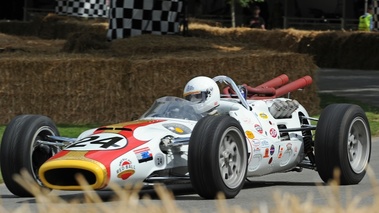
column 249, row 131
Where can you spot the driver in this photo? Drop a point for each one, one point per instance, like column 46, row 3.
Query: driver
column 204, row 92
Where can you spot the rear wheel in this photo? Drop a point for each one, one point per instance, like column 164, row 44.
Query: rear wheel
column 343, row 141
column 217, row 157
column 20, row 149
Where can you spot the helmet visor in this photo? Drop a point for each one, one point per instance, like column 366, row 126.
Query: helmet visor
column 196, row 98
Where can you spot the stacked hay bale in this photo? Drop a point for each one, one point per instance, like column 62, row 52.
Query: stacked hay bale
column 89, row 80
column 96, row 90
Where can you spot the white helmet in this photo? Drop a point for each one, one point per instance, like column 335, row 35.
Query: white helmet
column 204, row 92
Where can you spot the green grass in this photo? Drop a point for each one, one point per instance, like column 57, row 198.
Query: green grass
column 73, row 131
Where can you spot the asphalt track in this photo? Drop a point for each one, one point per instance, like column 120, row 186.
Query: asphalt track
column 258, row 193
column 356, row 84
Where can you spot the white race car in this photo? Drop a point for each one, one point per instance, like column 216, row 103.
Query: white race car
column 213, row 139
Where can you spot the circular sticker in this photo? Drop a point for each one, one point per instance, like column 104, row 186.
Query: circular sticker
column 273, row 133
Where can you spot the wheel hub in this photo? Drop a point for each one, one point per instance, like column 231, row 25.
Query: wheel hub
column 353, row 146
column 358, row 145
column 230, row 159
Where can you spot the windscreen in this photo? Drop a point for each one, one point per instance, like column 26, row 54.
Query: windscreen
column 172, row 107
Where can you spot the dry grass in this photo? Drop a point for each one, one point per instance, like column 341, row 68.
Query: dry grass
column 26, row 45
column 128, row 198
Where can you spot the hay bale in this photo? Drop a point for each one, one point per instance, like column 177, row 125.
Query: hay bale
column 84, row 42
column 118, row 81
column 97, row 90
column 278, row 40
column 347, row 50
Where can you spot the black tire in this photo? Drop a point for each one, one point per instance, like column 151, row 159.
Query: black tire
column 207, row 151
column 343, row 142
column 19, row 149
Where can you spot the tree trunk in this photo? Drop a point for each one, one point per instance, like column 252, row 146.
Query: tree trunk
column 233, row 12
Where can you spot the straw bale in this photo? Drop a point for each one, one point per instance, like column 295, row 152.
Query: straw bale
column 63, row 89
column 82, row 42
column 54, row 26
column 280, row 40
column 98, row 90
column 350, row 50
column 94, row 81
column 169, row 75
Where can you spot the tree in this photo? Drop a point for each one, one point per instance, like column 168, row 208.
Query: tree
column 243, row 3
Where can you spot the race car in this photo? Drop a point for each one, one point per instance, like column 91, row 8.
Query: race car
column 215, row 139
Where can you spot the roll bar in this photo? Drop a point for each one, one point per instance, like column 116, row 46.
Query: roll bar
column 230, row 82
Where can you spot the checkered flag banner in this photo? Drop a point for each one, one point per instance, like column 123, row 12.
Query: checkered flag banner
column 82, row 8
column 376, row 14
column 135, row 17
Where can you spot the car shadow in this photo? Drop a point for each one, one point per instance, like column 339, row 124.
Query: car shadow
column 179, row 191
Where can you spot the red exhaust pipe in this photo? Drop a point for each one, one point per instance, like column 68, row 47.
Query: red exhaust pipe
column 275, row 82
column 294, row 85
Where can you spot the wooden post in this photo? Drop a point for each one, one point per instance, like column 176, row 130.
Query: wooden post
column 233, row 12
column 285, row 20
column 343, row 20
column 25, row 10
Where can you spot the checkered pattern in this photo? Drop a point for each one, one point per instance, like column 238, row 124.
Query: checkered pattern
column 136, row 17
column 376, row 14
column 82, row 8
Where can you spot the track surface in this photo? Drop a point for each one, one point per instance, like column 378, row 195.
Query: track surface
column 258, row 192
column 356, row 84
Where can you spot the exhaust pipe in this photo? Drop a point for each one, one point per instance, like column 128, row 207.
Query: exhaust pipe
column 275, row 82
column 294, row 85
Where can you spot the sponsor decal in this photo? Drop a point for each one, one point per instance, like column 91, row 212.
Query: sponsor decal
column 289, row 146
column 273, row 133
column 272, row 150
column 126, row 169
column 256, row 142
column 281, row 149
column 177, row 128
column 159, row 160
column 257, row 150
column 265, row 144
column 102, row 141
column 258, row 128
column 249, row 135
column 143, row 154
column 263, row 115
column 266, row 153
column 295, row 150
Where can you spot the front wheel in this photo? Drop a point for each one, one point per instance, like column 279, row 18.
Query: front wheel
column 217, row 157
column 343, row 142
column 20, row 149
